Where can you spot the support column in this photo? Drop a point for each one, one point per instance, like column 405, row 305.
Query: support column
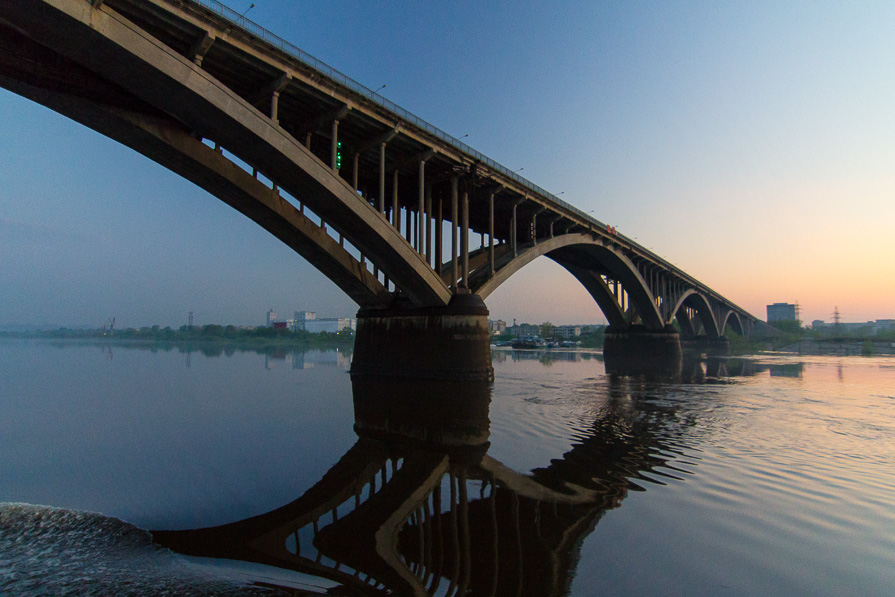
column 396, row 213
column 382, row 178
column 439, row 234
column 451, row 342
column 428, row 234
column 355, row 173
column 707, row 345
column 335, row 146
column 454, row 233
column 513, row 230
column 421, row 207
column 491, row 231
column 274, row 105
column 464, row 238
column 637, row 350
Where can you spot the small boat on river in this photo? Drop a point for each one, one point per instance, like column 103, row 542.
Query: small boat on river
column 529, row 342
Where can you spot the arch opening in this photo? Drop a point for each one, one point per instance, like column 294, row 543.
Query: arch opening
column 594, row 265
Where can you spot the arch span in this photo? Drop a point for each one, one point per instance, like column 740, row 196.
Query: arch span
column 159, row 103
column 732, row 320
column 587, row 259
column 695, row 300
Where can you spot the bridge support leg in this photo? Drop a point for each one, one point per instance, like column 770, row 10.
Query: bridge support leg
column 712, row 346
column 637, row 350
column 450, row 342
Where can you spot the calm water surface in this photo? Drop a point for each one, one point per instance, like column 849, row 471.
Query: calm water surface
column 766, row 475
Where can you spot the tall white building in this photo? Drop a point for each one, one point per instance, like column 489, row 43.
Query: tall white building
column 332, row 326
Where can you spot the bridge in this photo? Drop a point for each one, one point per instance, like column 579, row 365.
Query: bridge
column 414, row 225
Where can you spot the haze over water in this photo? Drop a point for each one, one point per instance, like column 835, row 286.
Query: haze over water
column 764, row 475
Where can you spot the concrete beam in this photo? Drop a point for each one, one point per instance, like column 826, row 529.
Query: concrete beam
column 299, row 131
column 198, row 50
column 412, row 161
column 377, row 141
column 275, row 86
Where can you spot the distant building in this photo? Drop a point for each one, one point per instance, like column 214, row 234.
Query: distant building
column 332, row 326
column 818, row 324
column 307, row 321
column 781, row 312
column 523, row 330
column 497, row 327
column 567, row 331
column 271, row 318
column 301, row 317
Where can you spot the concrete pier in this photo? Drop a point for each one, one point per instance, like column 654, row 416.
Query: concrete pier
column 708, row 345
column 451, row 342
column 639, row 351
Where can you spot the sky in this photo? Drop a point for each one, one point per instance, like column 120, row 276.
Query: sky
column 751, row 144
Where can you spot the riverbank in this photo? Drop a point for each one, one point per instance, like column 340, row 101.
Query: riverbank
column 843, row 347
column 210, row 340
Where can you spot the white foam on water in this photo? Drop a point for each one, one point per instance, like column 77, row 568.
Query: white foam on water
column 54, row 551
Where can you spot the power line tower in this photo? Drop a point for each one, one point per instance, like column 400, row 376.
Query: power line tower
column 191, row 321
column 798, row 312
column 836, row 319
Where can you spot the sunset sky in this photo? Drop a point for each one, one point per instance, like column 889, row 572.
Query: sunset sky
column 752, row 144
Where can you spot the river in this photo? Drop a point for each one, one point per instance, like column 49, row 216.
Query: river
column 155, row 471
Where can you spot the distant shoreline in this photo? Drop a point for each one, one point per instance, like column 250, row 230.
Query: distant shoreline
column 259, row 339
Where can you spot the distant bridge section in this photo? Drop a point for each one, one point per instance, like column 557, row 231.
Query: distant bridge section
column 399, row 214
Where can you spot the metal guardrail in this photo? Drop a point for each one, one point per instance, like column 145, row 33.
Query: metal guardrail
column 298, row 54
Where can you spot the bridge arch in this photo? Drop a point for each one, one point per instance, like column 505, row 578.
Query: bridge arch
column 161, row 104
column 696, row 301
column 587, row 259
column 733, row 321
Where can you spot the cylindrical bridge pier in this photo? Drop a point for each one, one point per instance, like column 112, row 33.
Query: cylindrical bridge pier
column 451, row 342
column 637, row 350
column 708, row 345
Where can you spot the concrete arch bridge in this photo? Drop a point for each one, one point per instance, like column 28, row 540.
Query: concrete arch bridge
column 414, row 225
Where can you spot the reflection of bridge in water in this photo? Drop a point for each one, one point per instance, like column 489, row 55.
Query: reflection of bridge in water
column 417, row 506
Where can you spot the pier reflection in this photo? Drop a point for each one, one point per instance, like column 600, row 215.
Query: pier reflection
column 418, row 507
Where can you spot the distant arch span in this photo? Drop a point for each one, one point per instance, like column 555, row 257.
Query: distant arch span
column 587, row 259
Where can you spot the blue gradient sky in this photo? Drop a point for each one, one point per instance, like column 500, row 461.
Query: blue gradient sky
column 752, row 144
